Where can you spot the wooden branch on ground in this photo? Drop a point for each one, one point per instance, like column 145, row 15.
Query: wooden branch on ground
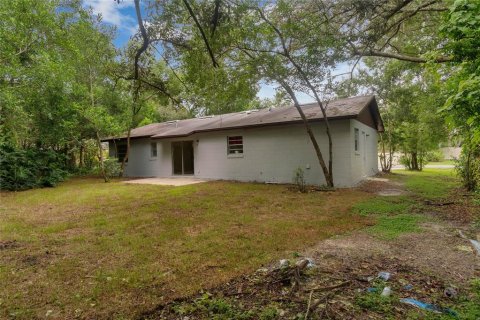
column 438, row 204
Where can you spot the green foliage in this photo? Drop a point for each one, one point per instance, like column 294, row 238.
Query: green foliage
column 112, row 168
column 269, row 313
column 22, row 169
column 390, row 227
column 384, row 206
column 466, row 307
column 434, row 156
column 468, row 167
column 299, row 180
column 373, row 301
column 214, row 308
column 410, row 96
column 56, row 88
column 462, row 28
column 431, row 183
column 393, row 215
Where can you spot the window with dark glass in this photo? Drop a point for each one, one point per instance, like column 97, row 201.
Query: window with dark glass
column 357, row 140
column 121, row 152
column 153, row 149
column 235, row 145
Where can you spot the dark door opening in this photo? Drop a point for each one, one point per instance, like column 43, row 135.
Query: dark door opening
column 182, row 157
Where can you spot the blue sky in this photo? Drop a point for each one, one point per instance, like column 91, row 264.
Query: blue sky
column 123, row 17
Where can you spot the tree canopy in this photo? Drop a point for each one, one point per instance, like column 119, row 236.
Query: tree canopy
column 64, row 85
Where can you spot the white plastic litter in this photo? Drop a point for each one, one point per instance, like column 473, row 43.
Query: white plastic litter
column 311, row 263
column 284, row 263
column 386, row 292
column 476, row 245
column 384, row 275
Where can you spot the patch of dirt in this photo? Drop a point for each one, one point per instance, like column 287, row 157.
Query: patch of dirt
column 10, row 244
column 418, row 251
column 382, row 187
column 456, row 208
column 391, row 192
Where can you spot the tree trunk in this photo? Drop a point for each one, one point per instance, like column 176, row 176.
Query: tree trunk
column 390, row 159
column 81, row 161
column 321, row 161
column 328, row 172
column 100, row 157
column 468, row 173
column 414, row 162
column 383, row 155
column 125, row 159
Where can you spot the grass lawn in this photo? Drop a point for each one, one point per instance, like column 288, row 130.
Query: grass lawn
column 396, row 215
column 93, row 250
column 428, row 183
column 444, row 162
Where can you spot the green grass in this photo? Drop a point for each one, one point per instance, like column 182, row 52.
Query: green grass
column 385, row 205
column 394, row 215
column 390, row 227
column 444, row 162
column 429, row 183
column 93, row 250
column 397, row 215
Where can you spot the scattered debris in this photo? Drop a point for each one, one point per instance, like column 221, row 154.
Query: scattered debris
column 262, row 270
column 450, row 292
column 427, row 306
column 372, row 289
column 464, row 248
column 408, row 287
column 390, row 192
column 8, row 244
column 284, row 263
column 438, row 204
column 387, row 291
column 476, row 245
column 384, row 275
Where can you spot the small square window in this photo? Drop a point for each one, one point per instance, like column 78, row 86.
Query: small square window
column 153, row 149
column 235, row 145
column 357, row 139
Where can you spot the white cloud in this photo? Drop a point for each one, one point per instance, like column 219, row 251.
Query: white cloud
column 113, row 13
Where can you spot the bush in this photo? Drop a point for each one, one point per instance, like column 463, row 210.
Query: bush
column 434, row 156
column 299, row 180
column 113, row 168
column 468, row 167
column 22, row 169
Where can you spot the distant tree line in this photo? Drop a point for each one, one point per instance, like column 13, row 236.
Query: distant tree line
column 64, row 86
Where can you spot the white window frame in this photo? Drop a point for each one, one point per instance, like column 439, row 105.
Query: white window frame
column 239, row 152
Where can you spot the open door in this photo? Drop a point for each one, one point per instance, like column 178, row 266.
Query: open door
column 182, row 158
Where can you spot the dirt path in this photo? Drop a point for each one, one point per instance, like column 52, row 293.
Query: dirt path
column 430, row 265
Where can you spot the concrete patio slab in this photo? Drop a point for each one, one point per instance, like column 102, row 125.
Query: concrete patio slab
column 180, row 181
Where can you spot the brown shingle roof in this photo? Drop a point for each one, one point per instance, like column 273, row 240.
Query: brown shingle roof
column 337, row 109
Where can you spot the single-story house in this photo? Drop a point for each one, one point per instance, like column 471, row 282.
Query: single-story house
column 265, row 145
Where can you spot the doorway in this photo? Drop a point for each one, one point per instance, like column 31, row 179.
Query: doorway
column 182, row 158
